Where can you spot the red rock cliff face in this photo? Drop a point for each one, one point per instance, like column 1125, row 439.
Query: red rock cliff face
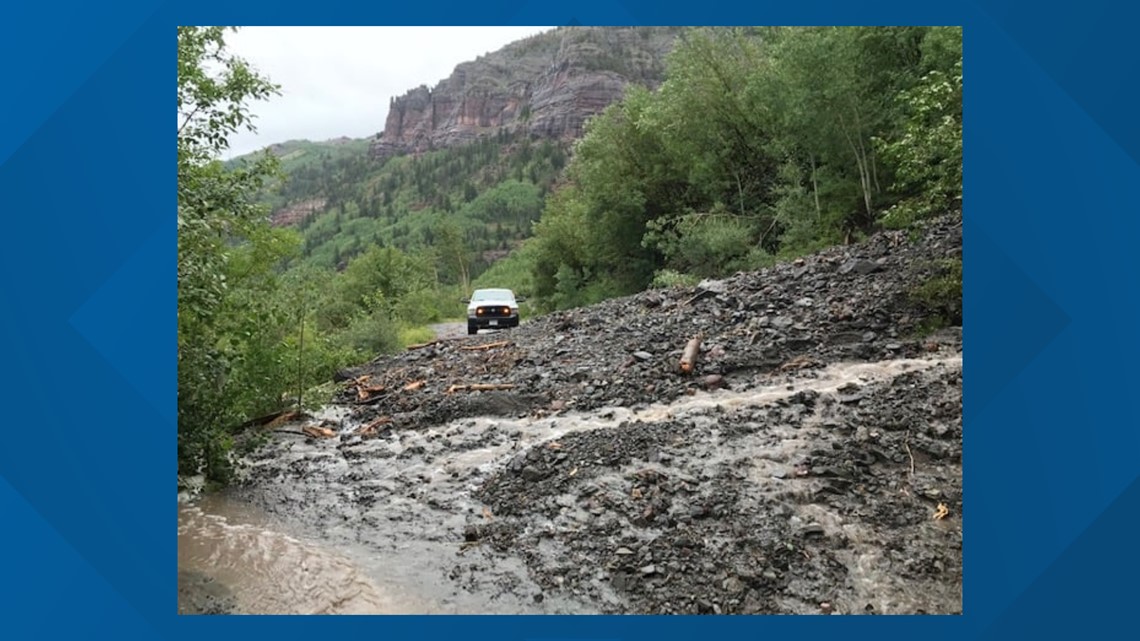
column 547, row 86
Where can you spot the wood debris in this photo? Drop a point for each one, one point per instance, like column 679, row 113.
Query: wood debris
column 364, row 394
column 415, row 385
column 942, row 512
column 422, row 345
column 318, row 432
column 283, row 418
column 479, row 387
column 690, row 353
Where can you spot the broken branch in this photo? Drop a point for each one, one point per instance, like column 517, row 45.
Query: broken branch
column 415, row 385
column 283, row 418
column 942, row 512
column 422, row 345
column 365, row 393
column 699, row 295
column 479, row 387
column 318, row 432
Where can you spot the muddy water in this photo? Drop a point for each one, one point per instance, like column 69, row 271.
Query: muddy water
column 232, row 554
column 376, row 526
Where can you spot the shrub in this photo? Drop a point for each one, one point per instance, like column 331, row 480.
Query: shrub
column 941, row 295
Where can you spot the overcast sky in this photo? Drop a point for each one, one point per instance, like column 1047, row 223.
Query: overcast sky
column 337, row 81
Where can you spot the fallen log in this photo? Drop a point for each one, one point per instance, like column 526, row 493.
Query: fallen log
column 480, row 387
column 689, row 354
column 318, row 432
column 478, row 348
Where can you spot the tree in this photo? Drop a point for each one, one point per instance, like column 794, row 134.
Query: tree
column 215, row 212
column 928, row 150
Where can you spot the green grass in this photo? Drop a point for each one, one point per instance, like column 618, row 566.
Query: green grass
column 415, row 336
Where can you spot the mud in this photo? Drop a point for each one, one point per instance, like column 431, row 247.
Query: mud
column 811, row 463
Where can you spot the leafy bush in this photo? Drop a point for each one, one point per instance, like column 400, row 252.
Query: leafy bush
column 371, row 333
column 941, row 295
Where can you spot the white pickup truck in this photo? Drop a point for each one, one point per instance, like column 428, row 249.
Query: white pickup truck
column 492, row 309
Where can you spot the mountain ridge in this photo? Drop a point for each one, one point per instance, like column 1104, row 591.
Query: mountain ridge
column 545, row 86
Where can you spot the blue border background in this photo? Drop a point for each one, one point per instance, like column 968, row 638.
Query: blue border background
column 88, row 295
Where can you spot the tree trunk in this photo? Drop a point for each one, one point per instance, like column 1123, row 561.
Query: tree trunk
column 815, row 188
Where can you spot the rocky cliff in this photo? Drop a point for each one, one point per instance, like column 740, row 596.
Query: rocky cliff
column 546, row 86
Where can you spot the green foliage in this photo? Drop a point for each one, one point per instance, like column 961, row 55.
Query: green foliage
column 928, row 152
column 707, row 245
column 940, row 296
column 221, row 363
column 515, row 272
column 761, row 143
column 665, row 278
column 415, row 335
column 371, row 332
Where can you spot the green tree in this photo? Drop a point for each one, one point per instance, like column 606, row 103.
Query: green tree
column 928, row 151
column 215, row 212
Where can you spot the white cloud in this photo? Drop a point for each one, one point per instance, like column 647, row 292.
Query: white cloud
column 337, row 81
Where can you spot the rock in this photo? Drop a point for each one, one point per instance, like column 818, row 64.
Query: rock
column 782, row 322
column 642, row 356
column 862, row 267
column 531, row 473
column 648, row 569
column 714, row 286
column 714, row 381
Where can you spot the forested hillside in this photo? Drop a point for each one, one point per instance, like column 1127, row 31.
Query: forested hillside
column 762, row 143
